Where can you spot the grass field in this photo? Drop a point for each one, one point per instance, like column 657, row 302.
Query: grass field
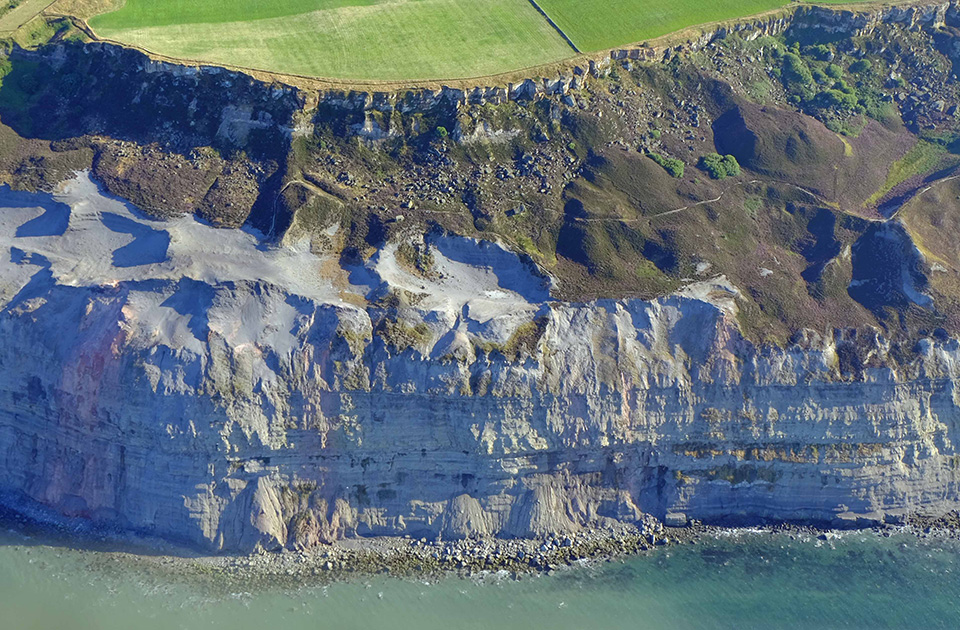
column 594, row 25
column 22, row 13
column 349, row 39
column 396, row 39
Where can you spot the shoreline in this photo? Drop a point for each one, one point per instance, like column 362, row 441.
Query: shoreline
column 420, row 559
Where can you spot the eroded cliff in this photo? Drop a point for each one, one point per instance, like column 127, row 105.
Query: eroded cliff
column 178, row 380
column 511, row 310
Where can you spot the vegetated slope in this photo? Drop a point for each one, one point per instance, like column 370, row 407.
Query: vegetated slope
column 799, row 150
column 785, row 251
column 587, row 182
column 350, row 39
column 932, row 220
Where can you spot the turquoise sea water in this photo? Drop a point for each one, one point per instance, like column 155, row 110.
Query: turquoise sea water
column 750, row 581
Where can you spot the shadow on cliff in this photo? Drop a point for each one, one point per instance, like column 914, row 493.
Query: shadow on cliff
column 26, row 525
column 40, row 282
column 52, row 222
column 888, row 270
column 70, row 90
column 148, row 246
column 102, row 97
column 193, row 299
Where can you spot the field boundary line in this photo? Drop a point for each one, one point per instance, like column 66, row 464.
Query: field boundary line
column 517, row 75
column 320, row 82
column 13, row 12
column 556, row 27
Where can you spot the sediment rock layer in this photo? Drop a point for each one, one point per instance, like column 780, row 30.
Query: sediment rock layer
column 189, row 383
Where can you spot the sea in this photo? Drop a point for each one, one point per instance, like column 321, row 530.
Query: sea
column 740, row 580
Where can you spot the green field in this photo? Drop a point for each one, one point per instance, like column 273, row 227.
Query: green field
column 597, row 25
column 349, row 39
column 401, row 39
column 22, row 11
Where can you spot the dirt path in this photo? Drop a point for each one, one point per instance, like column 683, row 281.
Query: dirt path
column 818, row 198
column 920, row 192
column 668, row 212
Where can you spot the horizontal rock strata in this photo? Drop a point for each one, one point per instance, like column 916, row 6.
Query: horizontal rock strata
column 232, row 399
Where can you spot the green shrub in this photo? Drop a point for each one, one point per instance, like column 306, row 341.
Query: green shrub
column 719, row 166
column 834, row 71
column 819, row 51
column 861, row 67
column 843, row 86
column 836, row 99
column 670, row 165
column 795, row 71
column 442, row 132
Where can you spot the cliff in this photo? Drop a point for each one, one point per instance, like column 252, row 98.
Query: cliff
column 486, row 311
column 183, row 382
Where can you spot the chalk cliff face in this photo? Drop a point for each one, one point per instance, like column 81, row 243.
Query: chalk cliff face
column 187, row 382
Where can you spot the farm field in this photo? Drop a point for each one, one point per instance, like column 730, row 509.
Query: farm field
column 598, row 25
column 347, row 39
column 396, row 40
column 22, row 12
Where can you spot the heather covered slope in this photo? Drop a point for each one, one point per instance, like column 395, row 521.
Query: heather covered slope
column 791, row 256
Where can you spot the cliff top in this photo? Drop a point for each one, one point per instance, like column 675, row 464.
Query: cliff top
column 404, row 43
